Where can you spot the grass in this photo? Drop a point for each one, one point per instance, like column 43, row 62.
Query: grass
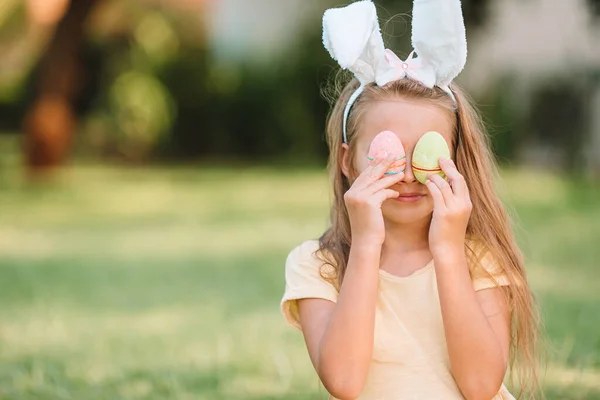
column 164, row 283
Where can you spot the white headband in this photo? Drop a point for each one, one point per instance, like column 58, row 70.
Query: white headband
column 352, row 36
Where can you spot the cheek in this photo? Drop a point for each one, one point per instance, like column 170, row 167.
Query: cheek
column 360, row 163
column 429, row 203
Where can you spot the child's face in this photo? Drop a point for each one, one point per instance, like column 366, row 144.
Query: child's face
column 409, row 121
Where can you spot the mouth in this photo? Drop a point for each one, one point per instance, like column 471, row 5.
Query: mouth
column 410, row 197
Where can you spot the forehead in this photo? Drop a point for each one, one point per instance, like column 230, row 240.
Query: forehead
column 407, row 119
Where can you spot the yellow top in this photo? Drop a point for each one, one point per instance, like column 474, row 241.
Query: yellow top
column 410, row 357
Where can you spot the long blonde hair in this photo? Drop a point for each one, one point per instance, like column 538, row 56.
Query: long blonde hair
column 489, row 223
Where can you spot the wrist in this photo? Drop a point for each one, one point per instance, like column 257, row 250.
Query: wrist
column 370, row 243
column 364, row 257
column 449, row 256
column 366, row 247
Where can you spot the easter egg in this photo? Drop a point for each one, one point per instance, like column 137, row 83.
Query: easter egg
column 426, row 155
column 386, row 143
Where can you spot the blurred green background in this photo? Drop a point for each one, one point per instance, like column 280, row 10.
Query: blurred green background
column 159, row 159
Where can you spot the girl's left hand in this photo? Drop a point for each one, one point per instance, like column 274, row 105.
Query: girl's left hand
column 451, row 211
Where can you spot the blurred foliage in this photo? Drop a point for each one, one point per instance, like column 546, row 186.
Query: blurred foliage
column 153, row 88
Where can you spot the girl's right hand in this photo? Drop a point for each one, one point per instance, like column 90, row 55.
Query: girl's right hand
column 364, row 199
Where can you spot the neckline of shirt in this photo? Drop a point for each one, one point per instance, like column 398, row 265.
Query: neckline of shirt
column 420, row 271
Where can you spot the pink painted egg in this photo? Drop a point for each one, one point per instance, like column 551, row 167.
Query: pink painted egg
column 385, row 144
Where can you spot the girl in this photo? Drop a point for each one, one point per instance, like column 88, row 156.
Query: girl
column 416, row 291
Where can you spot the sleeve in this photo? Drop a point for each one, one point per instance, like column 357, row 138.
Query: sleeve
column 303, row 279
column 486, row 272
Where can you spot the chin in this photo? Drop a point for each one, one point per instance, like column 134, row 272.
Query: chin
column 406, row 214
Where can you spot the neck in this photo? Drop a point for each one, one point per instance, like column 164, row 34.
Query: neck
column 406, row 238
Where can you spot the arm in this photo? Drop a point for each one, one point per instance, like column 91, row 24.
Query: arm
column 339, row 337
column 477, row 328
column 476, row 324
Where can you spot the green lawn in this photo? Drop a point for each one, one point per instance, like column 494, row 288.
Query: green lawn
column 165, row 283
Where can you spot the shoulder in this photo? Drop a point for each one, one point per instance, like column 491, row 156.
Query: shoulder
column 480, row 255
column 306, row 250
column 308, row 274
column 308, row 256
column 486, row 268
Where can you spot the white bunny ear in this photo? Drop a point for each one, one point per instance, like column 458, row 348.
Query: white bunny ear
column 439, row 37
column 352, row 36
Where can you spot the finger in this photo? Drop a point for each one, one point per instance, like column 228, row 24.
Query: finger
column 385, row 182
column 373, row 172
column 444, row 186
column 382, row 167
column 436, row 194
column 457, row 181
column 385, row 194
column 362, row 179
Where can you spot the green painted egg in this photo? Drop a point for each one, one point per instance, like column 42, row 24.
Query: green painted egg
column 426, row 154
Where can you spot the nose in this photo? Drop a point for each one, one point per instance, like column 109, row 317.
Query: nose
column 409, row 177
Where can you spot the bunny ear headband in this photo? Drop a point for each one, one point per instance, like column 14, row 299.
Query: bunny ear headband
column 352, row 36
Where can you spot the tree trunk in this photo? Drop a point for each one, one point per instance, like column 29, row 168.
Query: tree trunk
column 50, row 122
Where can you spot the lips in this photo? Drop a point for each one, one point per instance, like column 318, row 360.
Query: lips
column 409, row 197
